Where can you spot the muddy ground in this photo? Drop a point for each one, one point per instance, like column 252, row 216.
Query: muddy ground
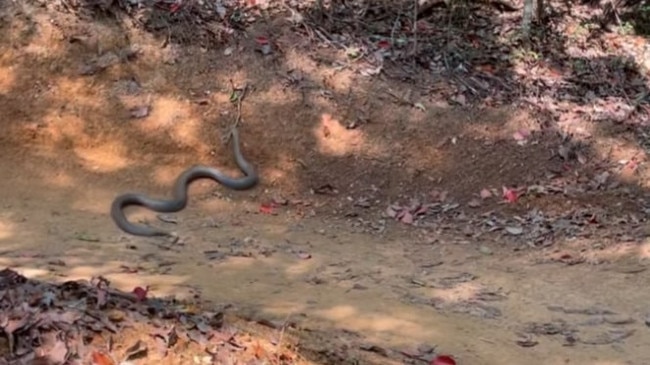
column 377, row 221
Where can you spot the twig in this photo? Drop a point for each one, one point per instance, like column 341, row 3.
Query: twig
column 239, row 97
column 282, row 329
column 415, row 31
column 395, row 24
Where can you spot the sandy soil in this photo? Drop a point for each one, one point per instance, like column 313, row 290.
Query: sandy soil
column 328, row 259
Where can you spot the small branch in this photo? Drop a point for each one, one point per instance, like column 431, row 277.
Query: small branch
column 237, row 94
column 415, row 31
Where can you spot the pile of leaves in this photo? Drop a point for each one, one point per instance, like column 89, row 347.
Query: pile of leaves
column 80, row 322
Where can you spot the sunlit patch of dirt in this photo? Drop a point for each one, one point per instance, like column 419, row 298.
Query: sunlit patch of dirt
column 460, row 292
column 503, row 124
column 644, row 250
column 6, row 229
column 356, row 320
column 107, row 158
column 334, row 139
column 611, row 253
column 59, row 179
column 166, row 175
column 68, row 129
column 93, row 200
column 7, row 78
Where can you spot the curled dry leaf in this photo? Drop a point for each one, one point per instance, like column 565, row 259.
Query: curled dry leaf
column 521, row 136
column 474, row 203
column 268, row 208
column 140, row 293
column 139, row 112
column 304, row 255
column 510, row 195
column 136, row 351
column 406, row 217
column 392, row 211
column 443, row 360
column 100, row 358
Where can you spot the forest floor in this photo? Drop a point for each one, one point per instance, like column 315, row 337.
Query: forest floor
column 439, row 191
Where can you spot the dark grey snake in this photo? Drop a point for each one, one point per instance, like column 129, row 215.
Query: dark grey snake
column 179, row 202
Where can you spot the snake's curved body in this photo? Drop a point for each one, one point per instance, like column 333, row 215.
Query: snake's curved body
column 180, row 198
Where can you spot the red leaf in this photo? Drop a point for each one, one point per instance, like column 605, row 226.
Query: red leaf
column 174, row 7
column 510, row 195
column 383, row 44
column 262, row 40
column 140, row 293
column 407, row 218
column 267, row 208
column 443, row 360
column 100, row 358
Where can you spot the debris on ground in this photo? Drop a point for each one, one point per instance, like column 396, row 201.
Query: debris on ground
column 79, row 322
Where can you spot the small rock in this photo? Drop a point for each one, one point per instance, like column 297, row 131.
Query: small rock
column 485, row 250
column 515, row 231
column 116, row 315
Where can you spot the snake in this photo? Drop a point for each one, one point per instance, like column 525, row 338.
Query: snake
column 180, row 193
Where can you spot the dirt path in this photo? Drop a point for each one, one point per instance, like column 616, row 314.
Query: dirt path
column 393, row 292
column 327, row 259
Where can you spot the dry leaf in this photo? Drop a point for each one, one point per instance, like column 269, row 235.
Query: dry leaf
column 99, row 358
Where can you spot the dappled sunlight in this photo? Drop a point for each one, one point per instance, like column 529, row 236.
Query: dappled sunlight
column 336, row 140
column 46, row 44
column 58, row 178
column 166, row 111
column 6, row 229
column 68, row 128
column 627, row 156
column 175, row 117
column 109, row 157
column 301, row 268
column 188, row 132
column 214, row 204
column 351, row 318
column 160, row 285
column 30, row 272
column 595, row 254
column 7, row 78
column 459, row 293
column 502, row 124
column 611, row 253
column 93, row 200
column 167, row 174
column 339, row 80
column 77, row 96
column 283, row 171
column 243, row 263
column 339, row 313
column 644, row 249
column 552, row 359
column 113, row 270
column 387, row 227
column 286, row 309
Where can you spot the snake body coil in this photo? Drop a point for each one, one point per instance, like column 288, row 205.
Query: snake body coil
column 180, row 199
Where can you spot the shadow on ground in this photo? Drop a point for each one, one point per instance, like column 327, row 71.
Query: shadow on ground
column 93, row 109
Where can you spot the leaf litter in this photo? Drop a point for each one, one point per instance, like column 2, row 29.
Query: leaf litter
column 88, row 322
